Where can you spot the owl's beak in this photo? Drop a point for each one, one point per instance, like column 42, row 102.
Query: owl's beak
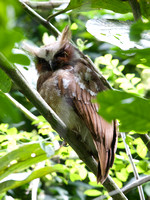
column 50, row 64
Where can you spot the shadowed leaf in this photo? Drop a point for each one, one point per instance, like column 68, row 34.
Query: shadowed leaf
column 131, row 110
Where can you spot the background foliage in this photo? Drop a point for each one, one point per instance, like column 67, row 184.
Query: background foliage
column 33, row 159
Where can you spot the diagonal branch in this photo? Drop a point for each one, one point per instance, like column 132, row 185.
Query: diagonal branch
column 39, row 19
column 45, row 5
column 135, row 9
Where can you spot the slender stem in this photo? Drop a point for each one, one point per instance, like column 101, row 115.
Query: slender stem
column 56, row 14
column 34, row 185
column 110, row 183
column 136, row 175
column 135, row 9
column 40, row 19
column 27, row 113
column 136, row 183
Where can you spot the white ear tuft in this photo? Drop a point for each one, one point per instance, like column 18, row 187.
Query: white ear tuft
column 65, row 36
column 33, row 49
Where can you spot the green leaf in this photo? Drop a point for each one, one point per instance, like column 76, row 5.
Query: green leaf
column 144, row 165
column 120, row 145
column 92, row 177
column 21, row 158
column 129, row 140
column 19, row 59
column 92, row 192
column 118, row 182
column 147, row 189
column 138, row 56
column 82, row 172
column 5, row 82
column 10, row 184
column 132, row 111
column 129, row 168
column 118, row 165
column 84, row 5
column 122, row 175
column 4, row 127
column 137, row 28
column 8, row 112
column 8, row 39
column 141, row 150
column 121, row 68
column 117, row 33
column 12, row 131
column 60, row 168
column 74, row 176
column 112, row 31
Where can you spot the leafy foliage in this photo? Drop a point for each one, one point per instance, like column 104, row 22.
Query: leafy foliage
column 123, row 7
column 132, row 111
column 107, row 30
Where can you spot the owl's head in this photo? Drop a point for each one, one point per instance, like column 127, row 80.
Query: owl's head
column 55, row 55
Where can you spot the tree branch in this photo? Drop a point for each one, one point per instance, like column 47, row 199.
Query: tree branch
column 135, row 9
column 45, row 5
column 40, row 19
column 55, row 121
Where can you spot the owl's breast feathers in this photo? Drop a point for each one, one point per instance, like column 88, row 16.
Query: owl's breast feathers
column 69, row 90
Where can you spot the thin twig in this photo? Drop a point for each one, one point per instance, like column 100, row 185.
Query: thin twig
column 136, row 175
column 27, row 113
column 135, row 9
column 126, row 188
column 34, row 185
column 40, row 19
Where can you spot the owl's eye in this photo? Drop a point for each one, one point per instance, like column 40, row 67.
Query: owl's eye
column 61, row 53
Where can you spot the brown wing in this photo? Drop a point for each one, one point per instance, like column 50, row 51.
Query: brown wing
column 103, row 133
